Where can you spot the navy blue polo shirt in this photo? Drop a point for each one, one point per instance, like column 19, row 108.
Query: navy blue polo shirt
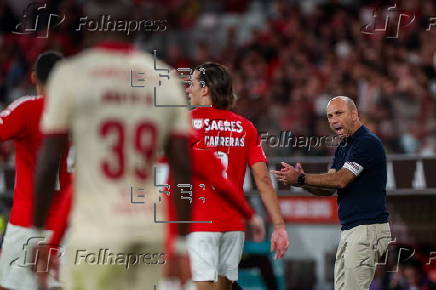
column 363, row 200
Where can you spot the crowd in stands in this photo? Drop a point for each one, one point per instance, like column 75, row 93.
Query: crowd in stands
column 286, row 67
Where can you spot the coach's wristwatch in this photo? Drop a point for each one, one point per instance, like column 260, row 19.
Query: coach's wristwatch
column 301, row 179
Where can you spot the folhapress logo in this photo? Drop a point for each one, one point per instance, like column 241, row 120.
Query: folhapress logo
column 394, row 20
column 391, row 20
column 28, row 260
column 40, row 26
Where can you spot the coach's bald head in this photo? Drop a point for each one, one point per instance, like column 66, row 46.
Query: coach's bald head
column 343, row 116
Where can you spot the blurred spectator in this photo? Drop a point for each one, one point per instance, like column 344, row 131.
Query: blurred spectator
column 286, row 64
column 411, row 276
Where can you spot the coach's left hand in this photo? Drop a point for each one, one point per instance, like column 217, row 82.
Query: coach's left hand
column 287, row 175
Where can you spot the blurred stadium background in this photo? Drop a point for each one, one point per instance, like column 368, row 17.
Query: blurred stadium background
column 288, row 58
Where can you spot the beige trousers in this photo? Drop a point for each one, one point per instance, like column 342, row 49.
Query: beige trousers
column 358, row 252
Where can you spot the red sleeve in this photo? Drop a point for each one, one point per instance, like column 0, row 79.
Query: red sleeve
column 61, row 219
column 255, row 150
column 13, row 119
column 213, row 175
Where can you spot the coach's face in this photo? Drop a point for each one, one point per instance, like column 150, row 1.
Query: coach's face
column 342, row 118
column 196, row 91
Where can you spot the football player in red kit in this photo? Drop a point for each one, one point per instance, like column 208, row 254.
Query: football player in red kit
column 20, row 122
column 215, row 249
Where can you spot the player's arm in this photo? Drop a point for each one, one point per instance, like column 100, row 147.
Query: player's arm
column 213, row 175
column 179, row 159
column 279, row 237
column 61, row 218
column 258, row 164
column 178, row 150
column 13, row 120
column 55, row 125
column 228, row 192
column 267, row 192
column 49, row 158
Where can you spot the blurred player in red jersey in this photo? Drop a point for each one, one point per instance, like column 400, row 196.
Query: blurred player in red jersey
column 20, row 122
column 215, row 249
column 117, row 131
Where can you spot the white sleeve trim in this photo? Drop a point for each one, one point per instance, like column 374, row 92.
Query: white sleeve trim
column 354, row 167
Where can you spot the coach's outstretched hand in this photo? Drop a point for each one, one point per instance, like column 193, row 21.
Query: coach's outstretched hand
column 279, row 241
column 288, row 174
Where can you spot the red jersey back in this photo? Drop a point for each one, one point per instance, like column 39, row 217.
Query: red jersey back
column 234, row 140
column 19, row 122
column 214, row 198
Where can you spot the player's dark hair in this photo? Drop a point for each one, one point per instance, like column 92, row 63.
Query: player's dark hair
column 219, row 81
column 44, row 65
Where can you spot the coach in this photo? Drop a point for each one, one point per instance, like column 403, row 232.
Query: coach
column 358, row 175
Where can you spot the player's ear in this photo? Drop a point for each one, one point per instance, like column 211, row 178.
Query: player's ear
column 205, row 90
column 33, row 77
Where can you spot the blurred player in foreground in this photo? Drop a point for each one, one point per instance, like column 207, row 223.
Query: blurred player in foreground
column 207, row 170
column 215, row 250
column 358, row 175
column 113, row 243
column 46, row 255
column 20, row 122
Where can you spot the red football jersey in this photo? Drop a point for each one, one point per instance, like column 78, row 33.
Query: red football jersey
column 20, row 122
column 235, row 141
column 217, row 205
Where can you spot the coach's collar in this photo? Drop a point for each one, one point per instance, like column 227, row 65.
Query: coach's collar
column 362, row 129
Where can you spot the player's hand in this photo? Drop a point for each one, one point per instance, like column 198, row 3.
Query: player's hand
column 257, row 227
column 279, row 241
column 46, row 259
column 178, row 265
